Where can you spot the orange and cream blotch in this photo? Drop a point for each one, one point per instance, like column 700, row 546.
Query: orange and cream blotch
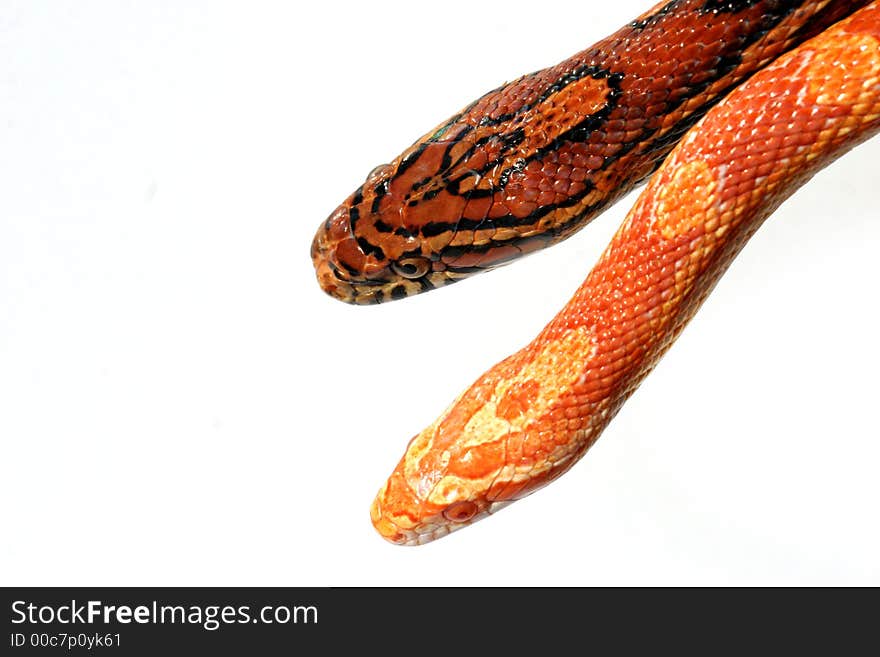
column 530, row 417
column 486, row 450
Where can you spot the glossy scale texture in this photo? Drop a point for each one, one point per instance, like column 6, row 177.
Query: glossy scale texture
column 533, row 415
column 531, row 162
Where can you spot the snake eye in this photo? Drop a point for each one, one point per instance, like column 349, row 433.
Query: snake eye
column 411, row 267
column 378, row 172
column 461, row 511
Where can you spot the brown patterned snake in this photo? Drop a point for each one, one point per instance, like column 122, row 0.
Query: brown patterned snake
column 529, row 163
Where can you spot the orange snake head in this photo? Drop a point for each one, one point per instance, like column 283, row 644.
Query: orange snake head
column 484, row 452
column 452, row 474
column 415, row 507
column 516, row 428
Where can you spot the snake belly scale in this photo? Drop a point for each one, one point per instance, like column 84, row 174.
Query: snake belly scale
column 776, row 89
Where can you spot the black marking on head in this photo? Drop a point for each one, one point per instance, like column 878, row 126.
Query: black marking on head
column 370, row 249
column 398, row 292
column 472, row 193
column 436, row 228
column 366, row 282
column 426, row 284
column 513, row 139
column 453, row 252
column 353, row 213
column 336, row 271
column 351, row 270
column 411, row 159
column 446, row 162
column 418, row 184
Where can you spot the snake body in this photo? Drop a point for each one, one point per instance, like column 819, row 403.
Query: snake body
column 529, row 418
column 533, row 161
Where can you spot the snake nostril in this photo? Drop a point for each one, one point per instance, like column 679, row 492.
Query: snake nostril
column 338, row 224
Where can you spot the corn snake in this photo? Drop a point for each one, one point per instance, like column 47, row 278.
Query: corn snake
column 529, row 418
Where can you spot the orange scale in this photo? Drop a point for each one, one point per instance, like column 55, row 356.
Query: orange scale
column 478, row 461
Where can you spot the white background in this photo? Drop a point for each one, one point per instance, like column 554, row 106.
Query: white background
column 181, row 405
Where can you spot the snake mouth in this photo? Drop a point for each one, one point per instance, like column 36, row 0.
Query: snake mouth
column 382, row 287
column 346, row 273
column 361, row 293
column 340, row 289
column 387, row 528
column 410, row 537
column 427, row 530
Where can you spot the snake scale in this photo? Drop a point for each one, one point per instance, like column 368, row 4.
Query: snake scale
column 731, row 105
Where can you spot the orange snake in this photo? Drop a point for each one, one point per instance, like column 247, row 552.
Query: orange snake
column 531, row 162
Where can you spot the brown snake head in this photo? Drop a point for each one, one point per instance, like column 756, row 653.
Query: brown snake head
column 474, row 193
column 410, row 227
column 395, row 263
column 529, row 163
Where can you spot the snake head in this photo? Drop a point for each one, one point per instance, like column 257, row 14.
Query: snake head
column 433, row 216
column 448, row 478
column 392, row 237
column 464, row 467
column 516, row 428
column 359, row 261
column 415, row 507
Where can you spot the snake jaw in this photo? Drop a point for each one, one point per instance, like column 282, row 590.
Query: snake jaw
column 335, row 252
column 416, row 506
column 351, row 270
column 394, row 533
column 429, row 496
column 429, row 529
